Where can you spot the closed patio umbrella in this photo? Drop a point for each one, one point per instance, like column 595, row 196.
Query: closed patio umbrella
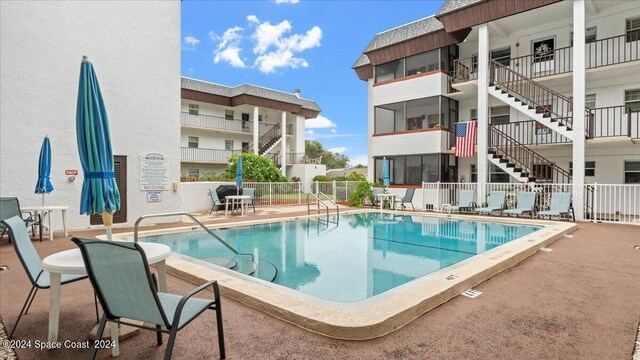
column 43, row 185
column 239, row 173
column 100, row 194
column 385, row 172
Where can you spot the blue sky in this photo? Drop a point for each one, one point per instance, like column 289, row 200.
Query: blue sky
column 287, row 44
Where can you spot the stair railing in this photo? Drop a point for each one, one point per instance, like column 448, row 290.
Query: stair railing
column 267, row 139
column 540, row 98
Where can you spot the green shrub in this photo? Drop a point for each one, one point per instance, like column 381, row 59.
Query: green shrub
column 356, row 176
column 255, row 167
column 341, row 178
column 360, row 194
column 296, row 179
column 322, row 178
column 377, row 184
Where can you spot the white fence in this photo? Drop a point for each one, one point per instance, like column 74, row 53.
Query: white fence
column 615, row 203
column 336, row 190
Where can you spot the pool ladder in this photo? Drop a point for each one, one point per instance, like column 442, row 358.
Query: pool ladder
column 319, row 202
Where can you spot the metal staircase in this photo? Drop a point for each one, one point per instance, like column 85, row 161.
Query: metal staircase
column 268, row 140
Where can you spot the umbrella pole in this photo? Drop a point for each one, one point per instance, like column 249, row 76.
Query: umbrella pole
column 107, row 220
column 42, row 199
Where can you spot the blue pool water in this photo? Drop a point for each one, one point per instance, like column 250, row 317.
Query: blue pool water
column 350, row 258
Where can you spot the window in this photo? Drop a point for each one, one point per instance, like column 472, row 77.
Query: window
column 589, row 168
column 499, row 115
column 589, row 100
column 244, row 116
column 412, row 169
column 502, row 56
column 193, row 172
column 632, row 99
column 194, row 109
column 228, row 144
column 426, row 113
column 474, row 173
column 543, row 50
column 421, row 63
column 259, row 117
column 389, row 71
column 228, row 114
column 589, row 35
column 193, row 141
column 245, row 147
column 496, row 175
column 473, row 114
column 633, row 29
column 632, row 172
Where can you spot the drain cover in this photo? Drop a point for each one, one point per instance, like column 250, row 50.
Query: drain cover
column 545, row 249
column 472, row 293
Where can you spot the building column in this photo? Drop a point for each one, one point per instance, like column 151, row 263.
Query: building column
column 483, row 113
column 256, row 130
column 283, row 144
column 579, row 83
column 299, row 133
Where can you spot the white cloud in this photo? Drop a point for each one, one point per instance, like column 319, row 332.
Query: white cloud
column 334, row 131
column 321, row 122
column 309, row 132
column 253, row 19
column 191, row 41
column 287, row 1
column 228, row 49
column 337, row 150
column 358, row 159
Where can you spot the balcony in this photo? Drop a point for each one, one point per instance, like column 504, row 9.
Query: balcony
column 221, row 123
column 605, row 52
column 211, row 156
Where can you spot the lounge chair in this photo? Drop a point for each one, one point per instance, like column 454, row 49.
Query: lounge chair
column 496, row 202
column 10, row 207
column 251, row 193
column 32, row 264
column 375, row 200
column 120, row 274
column 465, row 203
column 216, row 203
column 406, row 198
column 525, row 204
column 560, row 204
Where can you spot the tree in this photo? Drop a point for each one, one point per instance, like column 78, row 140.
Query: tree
column 255, row 167
column 330, row 159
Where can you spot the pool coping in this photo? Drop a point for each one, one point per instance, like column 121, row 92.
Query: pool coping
column 378, row 315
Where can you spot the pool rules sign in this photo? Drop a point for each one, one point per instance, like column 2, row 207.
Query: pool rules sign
column 154, row 169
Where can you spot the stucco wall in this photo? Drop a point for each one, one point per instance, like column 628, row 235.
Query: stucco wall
column 135, row 49
column 195, row 195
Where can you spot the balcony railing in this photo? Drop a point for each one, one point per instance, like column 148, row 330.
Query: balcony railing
column 298, row 158
column 604, row 52
column 217, row 156
column 531, row 132
column 616, row 121
column 220, row 123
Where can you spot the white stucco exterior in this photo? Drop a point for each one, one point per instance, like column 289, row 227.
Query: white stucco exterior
column 135, row 49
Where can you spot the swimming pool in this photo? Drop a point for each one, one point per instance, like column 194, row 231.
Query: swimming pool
column 349, row 258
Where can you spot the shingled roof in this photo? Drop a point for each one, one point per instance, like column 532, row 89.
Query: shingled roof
column 455, row 5
column 362, row 61
column 247, row 89
column 404, row 32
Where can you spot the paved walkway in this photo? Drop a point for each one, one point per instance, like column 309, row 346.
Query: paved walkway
column 580, row 301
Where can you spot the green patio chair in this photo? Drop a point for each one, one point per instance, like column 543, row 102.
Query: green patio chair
column 465, row 203
column 406, row 198
column 215, row 200
column 32, row 264
column 524, row 204
column 120, row 275
column 252, row 194
column 10, row 207
column 496, row 202
column 560, row 205
column 375, row 200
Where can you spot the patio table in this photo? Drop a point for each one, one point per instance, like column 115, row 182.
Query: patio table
column 234, row 200
column 70, row 262
column 390, row 197
column 46, row 212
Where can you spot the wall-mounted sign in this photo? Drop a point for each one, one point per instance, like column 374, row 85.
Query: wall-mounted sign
column 154, row 168
column 71, row 172
column 154, row 196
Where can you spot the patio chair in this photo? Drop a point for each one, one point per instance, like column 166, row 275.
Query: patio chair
column 406, row 198
column 216, row 203
column 465, row 202
column 120, row 275
column 10, row 207
column 524, row 204
column 560, row 204
column 32, row 264
column 375, row 200
column 252, row 194
column 496, row 202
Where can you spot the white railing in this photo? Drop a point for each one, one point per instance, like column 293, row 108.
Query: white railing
column 336, row 190
column 277, row 193
column 616, row 203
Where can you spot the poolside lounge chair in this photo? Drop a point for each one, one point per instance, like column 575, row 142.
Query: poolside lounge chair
column 120, row 274
column 406, row 198
column 465, row 202
column 216, row 203
column 560, row 204
column 375, row 200
column 525, row 204
column 32, row 264
column 496, row 202
column 251, row 193
column 10, row 207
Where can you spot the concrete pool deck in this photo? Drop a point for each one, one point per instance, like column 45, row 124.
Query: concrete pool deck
column 581, row 300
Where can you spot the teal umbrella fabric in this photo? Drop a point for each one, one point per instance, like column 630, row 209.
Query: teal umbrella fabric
column 239, row 172
column 99, row 190
column 43, row 185
column 385, row 172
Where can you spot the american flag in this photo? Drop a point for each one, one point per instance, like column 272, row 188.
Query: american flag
column 466, row 138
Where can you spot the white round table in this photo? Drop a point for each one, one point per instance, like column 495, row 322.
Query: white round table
column 70, row 262
column 390, row 197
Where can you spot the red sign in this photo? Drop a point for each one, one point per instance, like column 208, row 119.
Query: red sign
column 71, row 172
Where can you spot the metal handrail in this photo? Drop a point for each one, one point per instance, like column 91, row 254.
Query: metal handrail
column 214, row 235
column 318, row 202
column 331, row 201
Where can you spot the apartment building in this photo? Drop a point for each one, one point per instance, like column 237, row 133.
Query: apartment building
column 218, row 121
column 521, row 69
